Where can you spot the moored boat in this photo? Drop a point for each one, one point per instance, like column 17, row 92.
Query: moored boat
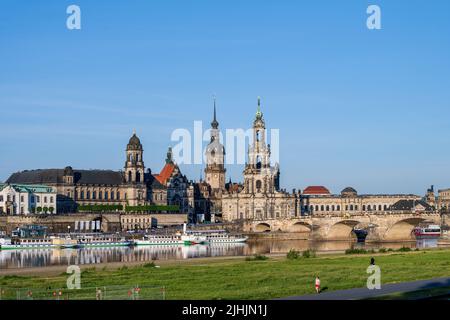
column 427, row 232
column 37, row 243
column 96, row 241
column 219, row 236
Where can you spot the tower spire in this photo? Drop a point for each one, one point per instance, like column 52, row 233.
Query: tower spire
column 214, row 123
column 258, row 110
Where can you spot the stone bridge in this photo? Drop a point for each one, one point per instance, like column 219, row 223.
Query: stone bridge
column 384, row 226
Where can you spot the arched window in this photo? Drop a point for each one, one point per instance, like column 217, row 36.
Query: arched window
column 258, row 185
column 328, row 208
column 379, row 207
column 100, row 195
column 364, row 207
column 129, row 176
column 369, row 208
column 385, row 207
column 137, row 158
column 258, row 135
column 332, row 207
column 338, row 208
column 317, row 208
column 106, row 195
column 351, row 207
column 258, row 162
column 112, row 195
column 88, row 195
column 118, row 195
column 138, row 176
column 311, row 208
column 322, row 208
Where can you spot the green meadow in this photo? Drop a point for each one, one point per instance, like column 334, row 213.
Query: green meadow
column 274, row 277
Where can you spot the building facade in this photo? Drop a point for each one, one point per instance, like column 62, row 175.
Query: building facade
column 27, row 199
column 444, row 199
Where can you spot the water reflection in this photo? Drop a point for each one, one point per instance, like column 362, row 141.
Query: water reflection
column 51, row 257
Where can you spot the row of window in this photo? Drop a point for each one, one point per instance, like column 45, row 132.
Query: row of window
column 98, row 196
column 10, row 198
column 350, row 207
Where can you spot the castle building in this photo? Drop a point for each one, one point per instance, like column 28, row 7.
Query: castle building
column 131, row 187
column 261, row 197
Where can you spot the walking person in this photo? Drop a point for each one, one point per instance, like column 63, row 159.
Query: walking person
column 317, row 284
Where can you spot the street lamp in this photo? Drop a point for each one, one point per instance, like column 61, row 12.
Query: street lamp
column 68, row 228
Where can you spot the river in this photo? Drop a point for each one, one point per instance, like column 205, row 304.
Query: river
column 11, row 259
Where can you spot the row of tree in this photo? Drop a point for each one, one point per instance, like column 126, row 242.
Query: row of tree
column 42, row 210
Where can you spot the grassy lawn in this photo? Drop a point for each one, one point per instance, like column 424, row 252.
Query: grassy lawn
column 272, row 278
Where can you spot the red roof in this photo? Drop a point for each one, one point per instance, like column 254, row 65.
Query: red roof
column 316, row 190
column 165, row 173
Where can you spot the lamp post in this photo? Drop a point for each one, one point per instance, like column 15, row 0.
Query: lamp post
column 68, row 229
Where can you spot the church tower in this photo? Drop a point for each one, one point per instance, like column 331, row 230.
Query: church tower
column 134, row 165
column 215, row 157
column 259, row 176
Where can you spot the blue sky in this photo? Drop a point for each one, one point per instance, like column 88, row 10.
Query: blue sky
column 355, row 107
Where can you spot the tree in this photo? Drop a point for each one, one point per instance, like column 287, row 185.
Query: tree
column 45, row 210
column 39, row 209
column 51, row 209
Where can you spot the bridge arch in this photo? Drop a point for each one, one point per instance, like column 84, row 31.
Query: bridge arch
column 301, row 227
column 342, row 230
column 402, row 230
column 263, row 227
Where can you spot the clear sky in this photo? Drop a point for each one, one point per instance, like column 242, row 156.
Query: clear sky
column 355, row 107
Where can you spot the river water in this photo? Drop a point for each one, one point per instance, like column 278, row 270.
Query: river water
column 11, row 259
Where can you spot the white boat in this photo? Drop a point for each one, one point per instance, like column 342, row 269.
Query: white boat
column 96, row 241
column 36, row 243
column 219, row 236
column 152, row 240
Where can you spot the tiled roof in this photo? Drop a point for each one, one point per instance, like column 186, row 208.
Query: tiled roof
column 316, row 190
column 410, row 204
column 53, row 176
column 165, row 173
column 28, row 188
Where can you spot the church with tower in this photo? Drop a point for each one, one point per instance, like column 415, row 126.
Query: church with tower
column 260, row 197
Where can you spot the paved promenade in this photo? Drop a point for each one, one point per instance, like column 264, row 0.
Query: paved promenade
column 364, row 293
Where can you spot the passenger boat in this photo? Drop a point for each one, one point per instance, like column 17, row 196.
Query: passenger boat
column 427, row 232
column 37, row 243
column 219, row 236
column 96, row 241
column 152, row 240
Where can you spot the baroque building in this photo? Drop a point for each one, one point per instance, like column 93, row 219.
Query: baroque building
column 261, row 196
column 131, row 187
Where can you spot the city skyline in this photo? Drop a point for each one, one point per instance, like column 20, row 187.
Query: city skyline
column 360, row 108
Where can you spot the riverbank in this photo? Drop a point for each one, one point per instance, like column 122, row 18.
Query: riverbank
column 237, row 278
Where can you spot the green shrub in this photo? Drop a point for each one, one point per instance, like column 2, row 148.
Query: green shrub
column 404, row 249
column 100, row 207
column 293, row 254
column 356, row 251
column 309, row 254
column 382, row 250
column 149, row 265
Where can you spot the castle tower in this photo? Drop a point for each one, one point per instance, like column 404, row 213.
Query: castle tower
column 215, row 154
column 134, row 164
column 259, row 176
